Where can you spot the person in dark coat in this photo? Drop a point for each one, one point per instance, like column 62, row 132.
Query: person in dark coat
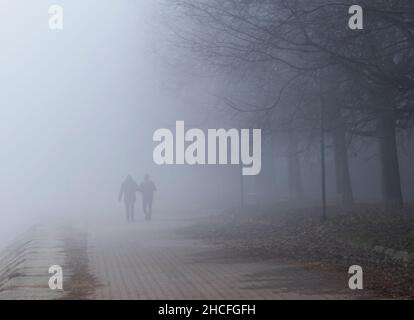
column 128, row 192
column 147, row 188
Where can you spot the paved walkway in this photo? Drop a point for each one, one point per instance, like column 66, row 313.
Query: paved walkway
column 154, row 261
column 24, row 265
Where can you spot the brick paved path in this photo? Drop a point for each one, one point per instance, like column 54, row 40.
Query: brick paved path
column 24, row 265
column 154, row 261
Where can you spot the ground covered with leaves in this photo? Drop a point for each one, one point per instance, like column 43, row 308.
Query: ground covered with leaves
column 381, row 242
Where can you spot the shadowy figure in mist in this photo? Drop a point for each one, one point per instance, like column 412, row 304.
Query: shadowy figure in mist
column 128, row 191
column 147, row 188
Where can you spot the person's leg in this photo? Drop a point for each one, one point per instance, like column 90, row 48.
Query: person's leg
column 127, row 210
column 145, row 205
column 150, row 208
column 132, row 211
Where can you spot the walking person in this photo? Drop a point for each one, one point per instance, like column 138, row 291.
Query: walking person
column 128, row 192
column 147, row 188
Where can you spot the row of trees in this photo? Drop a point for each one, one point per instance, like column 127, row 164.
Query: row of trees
column 311, row 74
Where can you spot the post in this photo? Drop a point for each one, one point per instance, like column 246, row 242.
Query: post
column 323, row 167
column 241, row 189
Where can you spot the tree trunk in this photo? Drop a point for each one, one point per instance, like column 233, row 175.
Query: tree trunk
column 267, row 176
column 345, row 197
column 294, row 171
column 390, row 171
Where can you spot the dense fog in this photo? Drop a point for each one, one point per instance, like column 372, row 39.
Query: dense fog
column 79, row 108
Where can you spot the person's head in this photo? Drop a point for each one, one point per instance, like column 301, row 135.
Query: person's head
column 147, row 177
column 128, row 177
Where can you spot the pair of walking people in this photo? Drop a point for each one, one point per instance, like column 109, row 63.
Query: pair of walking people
column 128, row 191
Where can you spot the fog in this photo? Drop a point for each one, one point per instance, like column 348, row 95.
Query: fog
column 73, row 107
column 296, row 151
column 79, row 108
